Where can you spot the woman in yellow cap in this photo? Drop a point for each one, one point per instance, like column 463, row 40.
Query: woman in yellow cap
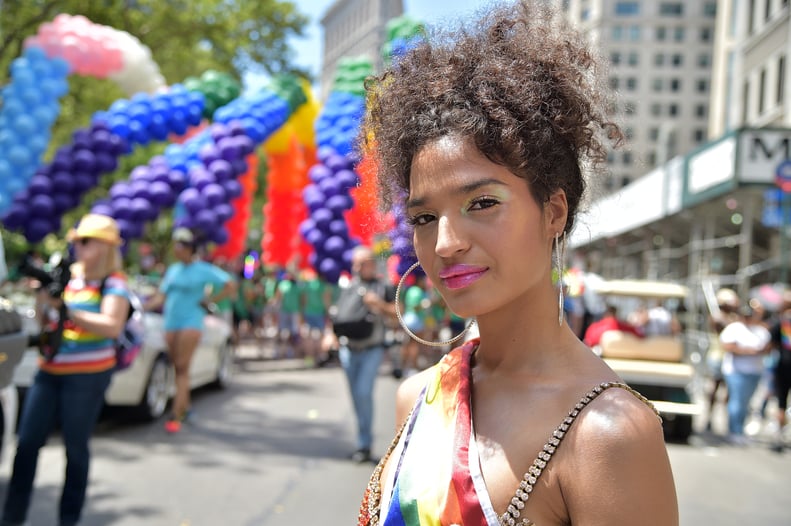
column 69, row 387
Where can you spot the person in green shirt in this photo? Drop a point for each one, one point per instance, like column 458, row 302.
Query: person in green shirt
column 288, row 307
column 416, row 303
column 315, row 298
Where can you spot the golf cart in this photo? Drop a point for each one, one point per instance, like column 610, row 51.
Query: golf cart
column 661, row 367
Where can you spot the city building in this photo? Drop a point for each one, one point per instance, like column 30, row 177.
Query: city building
column 660, row 55
column 717, row 215
column 353, row 28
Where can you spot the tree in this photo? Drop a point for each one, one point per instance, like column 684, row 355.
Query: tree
column 186, row 38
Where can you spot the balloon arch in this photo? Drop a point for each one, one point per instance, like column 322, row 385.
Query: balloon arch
column 320, row 197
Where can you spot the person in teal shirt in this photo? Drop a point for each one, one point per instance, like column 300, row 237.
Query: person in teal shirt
column 288, row 322
column 183, row 292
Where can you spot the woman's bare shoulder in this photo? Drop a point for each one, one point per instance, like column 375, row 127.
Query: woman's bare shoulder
column 408, row 392
column 616, row 468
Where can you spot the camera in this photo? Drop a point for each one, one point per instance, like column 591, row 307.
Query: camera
column 54, row 281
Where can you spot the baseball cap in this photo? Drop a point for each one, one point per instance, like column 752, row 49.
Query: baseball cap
column 184, row 235
column 97, row 226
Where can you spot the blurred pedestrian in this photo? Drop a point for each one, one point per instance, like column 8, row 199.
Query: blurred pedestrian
column 183, row 293
column 781, row 338
column 315, row 300
column 68, row 390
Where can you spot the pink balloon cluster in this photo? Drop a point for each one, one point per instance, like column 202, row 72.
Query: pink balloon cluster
column 99, row 51
column 89, row 48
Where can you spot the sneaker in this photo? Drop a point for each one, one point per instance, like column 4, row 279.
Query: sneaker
column 173, row 424
column 361, row 456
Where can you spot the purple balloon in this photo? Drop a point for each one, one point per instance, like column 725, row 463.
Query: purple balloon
column 84, row 160
column 232, row 188
column 122, row 208
column 40, row 185
column 161, row 194
column 106, row 162
column 236, row 127
column 346, row 179
column 337, row 163
column 159, row 172
column 36, row 229
column 140, row 189
column 315, row 237
column 219, row 236
column 334, row 246
column 141, row 209
column 317, row 172
column 239, row 166
column 177, row 180
column 120, row 189
column 246, row 144
column 222, row 170
column 200, row 178
column 129, row 229
column 330, row 270
column 206, row 220
column 83, row 182
column 305, row 226
column 82, row 139
column 214, row 194
column 102, row 141
column 338, row 204
column 192, row 200
column 62, row 161
column 330, row 187
column 229, row 149
column 159, row 160
column 42, row 206
column 104, row 209
column 16, row 216
column 224, row 212
column 339, row 227
column 324, row 153
column 141, row 173
column 322, row 217
column 64, row 202
column 219, row 131
column 184, row 221
column 208, row 153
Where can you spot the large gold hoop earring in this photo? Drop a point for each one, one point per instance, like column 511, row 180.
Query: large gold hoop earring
column 411, row 334
column 560, row 246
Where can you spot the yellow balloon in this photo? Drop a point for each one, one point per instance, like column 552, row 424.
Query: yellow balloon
column 280, row 140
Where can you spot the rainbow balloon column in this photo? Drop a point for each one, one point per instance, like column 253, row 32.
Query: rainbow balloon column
column 38, row 80
column 329, row 195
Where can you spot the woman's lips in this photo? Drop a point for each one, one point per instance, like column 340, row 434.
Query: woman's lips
column 460, row 276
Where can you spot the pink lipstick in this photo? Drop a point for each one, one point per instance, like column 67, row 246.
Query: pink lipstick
column 460, row 276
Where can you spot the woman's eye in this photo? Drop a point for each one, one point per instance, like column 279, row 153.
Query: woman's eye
column 419, row 219
column 483, row 202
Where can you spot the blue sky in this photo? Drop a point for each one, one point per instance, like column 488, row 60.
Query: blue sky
column 431, row 12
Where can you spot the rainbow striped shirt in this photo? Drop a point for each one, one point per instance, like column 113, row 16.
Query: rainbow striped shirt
column 82, row 351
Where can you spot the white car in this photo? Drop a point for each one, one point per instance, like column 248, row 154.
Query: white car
column 148, row 384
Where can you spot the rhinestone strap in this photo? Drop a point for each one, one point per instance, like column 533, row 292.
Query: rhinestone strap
column 511, row 517
column 371, row 504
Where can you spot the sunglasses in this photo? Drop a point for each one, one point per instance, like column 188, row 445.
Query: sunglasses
column 84, row 241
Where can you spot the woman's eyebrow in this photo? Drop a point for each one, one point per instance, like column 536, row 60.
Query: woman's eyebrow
column 460, row 190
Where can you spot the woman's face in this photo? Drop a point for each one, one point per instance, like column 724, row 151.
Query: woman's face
column 479, row 234
column 91, row 252
column 182, row 251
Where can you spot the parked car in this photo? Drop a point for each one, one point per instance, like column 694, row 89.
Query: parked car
column 665, row 369
column 13, row 342
column 148, row 384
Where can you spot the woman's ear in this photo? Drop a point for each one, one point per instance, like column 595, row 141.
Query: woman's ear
column 556, row 212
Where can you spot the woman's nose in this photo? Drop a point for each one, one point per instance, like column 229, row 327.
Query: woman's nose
column 449, row 238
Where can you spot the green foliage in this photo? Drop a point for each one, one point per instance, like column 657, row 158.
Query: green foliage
column 186, row 39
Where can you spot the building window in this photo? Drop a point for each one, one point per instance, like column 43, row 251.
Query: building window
column 634, row 33
column 629, row 133
column 704, row 60
column 610, row 158
column 659, row 59
column 656, row 109
column 678, row 34
column 585, row 14
column 656, row 85
column 634, row 58
column 745, row 102
column 750, row 17
column 781, row 79
column 651, row 158
column 653, row 134
column 702, row 86
column 700, row 111
column 677, row 59
column 617, row 33
column 627, row 158
column 671, row 9
column 630, row 108
column 631, row 83
column 614, row 83
column 767, row 10
column 705, row 34
column 661, row 33
column 625, row 180
column 672, row 110
column 675, row 85
column 627, row 8
column 615, row 58
column 761, row 91
column 699, row 135
column 710, row 9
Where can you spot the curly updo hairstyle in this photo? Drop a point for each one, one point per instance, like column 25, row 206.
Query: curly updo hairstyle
column 520, row 83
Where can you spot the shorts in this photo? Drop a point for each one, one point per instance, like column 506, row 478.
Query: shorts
column 315, row 321
column 288, row 321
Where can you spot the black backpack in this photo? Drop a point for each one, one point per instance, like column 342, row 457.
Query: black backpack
column 352, row 318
